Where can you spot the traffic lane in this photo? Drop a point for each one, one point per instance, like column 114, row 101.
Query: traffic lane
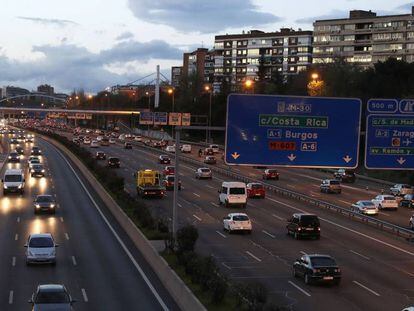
column 102, row 262
column 282, row 228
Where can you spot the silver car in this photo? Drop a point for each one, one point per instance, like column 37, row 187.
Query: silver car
column 51, row 297
column 41, row 248
column 365, row 207
column 203, row 172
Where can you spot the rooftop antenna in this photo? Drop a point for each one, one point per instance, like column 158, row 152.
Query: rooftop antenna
column 202, row 44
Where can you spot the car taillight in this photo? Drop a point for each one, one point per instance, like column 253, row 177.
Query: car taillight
column 337, row 270
column 319, row 228
column 299, row 228
column 316, row 270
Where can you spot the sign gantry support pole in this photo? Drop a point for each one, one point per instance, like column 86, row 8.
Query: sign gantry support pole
column 176, row 181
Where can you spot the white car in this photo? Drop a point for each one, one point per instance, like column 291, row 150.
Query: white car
column 215, row 148
column 33, row 161
column 121, row 137
column 385, row 201
column 86, row 141
column 365, row 207
column 99, row 138
column 237, row 222
column 41, row 248
column 138, row 138
column 94, row 144
column 401, row 189
column 203, row 172
column 111, row 140
column 170, row 149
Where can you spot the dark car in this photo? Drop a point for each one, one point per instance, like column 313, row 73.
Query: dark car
column 164, row 159
column 114, row 162
column 14, row 141
column 14, row 157
column 100, row 155
column 317, row 268
column 128, row 146
column 169, row 182
column 36, row 151
column 345, row 175
column 270, row 174
column 19, row 150
column 407, row 201
column 209, row 151
column 51, row 297
column 304, row 225
column 37, row 170
column 44, row 203
column 210, row 160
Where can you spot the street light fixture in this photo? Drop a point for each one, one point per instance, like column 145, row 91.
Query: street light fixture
column 249, row 84
column 315, row 76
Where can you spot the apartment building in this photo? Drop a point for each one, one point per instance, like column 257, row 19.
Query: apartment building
column 364, row 38
column 176, row 75
column 238, row 56
column 200, row 63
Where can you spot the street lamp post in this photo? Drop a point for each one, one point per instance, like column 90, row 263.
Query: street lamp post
column 210, row 92
column 171, row 92
column 249, row 84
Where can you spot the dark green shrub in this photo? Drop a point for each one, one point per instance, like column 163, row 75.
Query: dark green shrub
column 187, row 238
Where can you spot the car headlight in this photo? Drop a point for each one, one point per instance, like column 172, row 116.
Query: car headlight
column 52, row 205
column 43, row 171
column 9, row 157
column 5, row 186
column 37, row 206
column 20, row 186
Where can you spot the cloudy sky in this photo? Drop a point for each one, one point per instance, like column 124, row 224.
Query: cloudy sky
column 92, row 44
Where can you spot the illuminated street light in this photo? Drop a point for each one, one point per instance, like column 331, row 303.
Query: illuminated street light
column 248, row 84
column 77, row 97
column 315, row 76
column 90, row 96
column 170, row 91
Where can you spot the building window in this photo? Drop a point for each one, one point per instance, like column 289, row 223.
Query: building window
column 349, row 38
column 219, row 45
column 302, row 68
column 348, row 48
column 349, row 27
column 227, row 53
column 303, row 49
column 303, row 59
column 241, row 52
column 410, row 35
column 292, row 69
column 253, row 52
column 410, row 46
column 227, row 44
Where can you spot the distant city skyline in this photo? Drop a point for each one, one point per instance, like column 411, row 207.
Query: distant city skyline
column 95, row 44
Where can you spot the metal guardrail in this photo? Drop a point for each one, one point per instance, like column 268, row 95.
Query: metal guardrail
column 401, row 232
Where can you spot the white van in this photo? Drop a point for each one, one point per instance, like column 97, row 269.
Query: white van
column 233, row 193
column 186, row 148
column 215, row 148
column 13, row 181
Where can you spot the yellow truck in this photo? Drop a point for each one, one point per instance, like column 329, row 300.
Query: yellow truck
column 149, row 184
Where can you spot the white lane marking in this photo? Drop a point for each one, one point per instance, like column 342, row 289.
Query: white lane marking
column 345, row 202
column 61, row 219
column 18, row 219
column 290, row 186
column 385, row 214
column 253, row 256
column 208, row 186
column 181, row 174
column 219, row 233
column 85, row 297
column 358, row 254
column 11, row 297
column 278, row 217
column 224, row 264
column 214, row 204
column 16, row 237
column 13, row 261
column 179, row 205
column 350, row 230
column 367, row 288
column 196, row 194
column 299, row 288
column 67, row 236
column 196, row 217
column 74, row 261
column 134, row 262
column 269, row 234
column 302, row 252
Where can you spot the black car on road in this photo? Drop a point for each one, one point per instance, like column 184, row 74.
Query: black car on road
column 317, row 269
column 100, row 155
column 128, row 146
column 51, row 297
column 407, row 201
column 304, row 225
column 14, row 157
column 164, row 159
column 44, row 203
column 37, row 170
column 114, row 162
column 343, row 175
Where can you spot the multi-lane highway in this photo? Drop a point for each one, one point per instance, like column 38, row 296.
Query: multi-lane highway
column 96, row 261
column 378, row 270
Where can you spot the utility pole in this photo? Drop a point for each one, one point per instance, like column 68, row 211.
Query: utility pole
column 157, row 88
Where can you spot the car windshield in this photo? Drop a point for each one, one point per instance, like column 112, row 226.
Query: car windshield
column 237, row 191
column 114, row 159
column 44, row 198
column 205, row 170
column 322, row 261
column 309, row 220
column 240, row 218
column 34, row 161
column 13, row 154
column 37, row 167
column 367, row 203
column 41, row 242
column 272, row 171
column 13, row 178
column 257, row 186
column 406, row 186
column 334, row 182
column 170, row 178
column 389, row 198
column 52, row 297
